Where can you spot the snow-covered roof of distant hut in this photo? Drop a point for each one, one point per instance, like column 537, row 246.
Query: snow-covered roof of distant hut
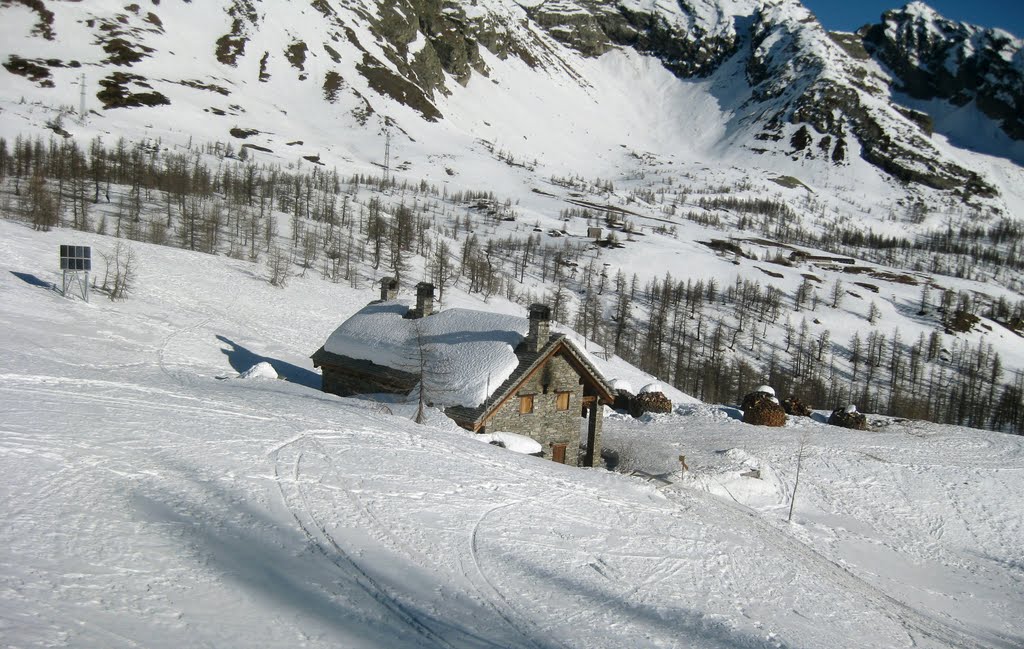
column 468, row 352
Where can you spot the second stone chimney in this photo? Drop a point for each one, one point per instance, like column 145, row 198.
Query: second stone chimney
column 540, row 327
column 388, row 289
column 424, row 300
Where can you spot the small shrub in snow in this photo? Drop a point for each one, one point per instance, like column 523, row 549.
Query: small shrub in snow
column 278, row 267
column 119, row 271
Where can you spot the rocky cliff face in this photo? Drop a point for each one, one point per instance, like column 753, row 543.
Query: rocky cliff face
column 934, row 58
column 813, row 93
column 826, row 88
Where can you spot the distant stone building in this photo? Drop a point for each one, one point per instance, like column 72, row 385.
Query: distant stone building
column 488, row 372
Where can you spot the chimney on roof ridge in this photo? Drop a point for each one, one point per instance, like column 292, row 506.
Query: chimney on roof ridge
column 424, row 300
column 540, row 327
column 388, row 289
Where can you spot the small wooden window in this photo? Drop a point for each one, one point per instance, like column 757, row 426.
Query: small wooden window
column 526, row 404
column 562, row 400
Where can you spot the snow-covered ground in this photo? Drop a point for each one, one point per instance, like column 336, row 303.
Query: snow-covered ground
column 152, row 497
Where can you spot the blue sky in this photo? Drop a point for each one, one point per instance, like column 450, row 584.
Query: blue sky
column 845, row 15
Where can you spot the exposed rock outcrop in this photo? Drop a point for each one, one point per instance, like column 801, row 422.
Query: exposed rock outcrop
column 936, row 58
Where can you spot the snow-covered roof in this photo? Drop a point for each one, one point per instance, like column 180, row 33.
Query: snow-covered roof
column 467, row 353
column 621, row 384
column 470, row 357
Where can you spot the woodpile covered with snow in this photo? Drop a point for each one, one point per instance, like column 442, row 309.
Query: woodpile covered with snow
column 650, row 402
column 761, row 408
column 848, row 417
column 650, row 399
column 796, row 407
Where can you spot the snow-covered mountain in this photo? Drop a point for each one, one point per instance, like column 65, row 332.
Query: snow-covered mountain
column 575, row 85
column 935, row 58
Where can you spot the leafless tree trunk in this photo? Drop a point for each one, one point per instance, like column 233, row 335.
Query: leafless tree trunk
column 796, row 481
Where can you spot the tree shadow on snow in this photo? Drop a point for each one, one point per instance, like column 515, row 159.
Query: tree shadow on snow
column 293, row 568
column 241, row 359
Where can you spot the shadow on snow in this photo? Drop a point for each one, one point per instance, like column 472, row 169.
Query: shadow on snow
column 241, row 359
column 323, row 586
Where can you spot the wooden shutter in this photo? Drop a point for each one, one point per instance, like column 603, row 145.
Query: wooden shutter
column 526, row 404
column 562, row 400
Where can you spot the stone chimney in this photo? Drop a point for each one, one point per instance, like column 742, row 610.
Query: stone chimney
column 388, row 289
column 424, row 299
column 540, row 327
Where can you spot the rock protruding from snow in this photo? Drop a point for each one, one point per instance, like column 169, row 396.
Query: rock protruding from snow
column 262, row 370
column 848, row 417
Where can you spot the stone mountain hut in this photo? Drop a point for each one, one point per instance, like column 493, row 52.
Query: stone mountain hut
column 488, row 372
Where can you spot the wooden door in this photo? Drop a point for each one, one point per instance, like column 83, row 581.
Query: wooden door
column 558, row 453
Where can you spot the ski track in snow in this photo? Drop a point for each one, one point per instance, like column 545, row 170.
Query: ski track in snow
column 803, row 555
column 494, row 598
column 488, row 593
column 327, row 545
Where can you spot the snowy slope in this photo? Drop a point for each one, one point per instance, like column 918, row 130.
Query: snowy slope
column 153, row 500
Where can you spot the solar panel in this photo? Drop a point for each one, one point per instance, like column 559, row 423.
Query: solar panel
column 76, row 258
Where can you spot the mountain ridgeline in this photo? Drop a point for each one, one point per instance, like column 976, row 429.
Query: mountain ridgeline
column 788, row 88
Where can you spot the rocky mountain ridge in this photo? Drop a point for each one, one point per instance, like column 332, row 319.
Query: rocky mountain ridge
column 787, row 90
column 935, row 58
